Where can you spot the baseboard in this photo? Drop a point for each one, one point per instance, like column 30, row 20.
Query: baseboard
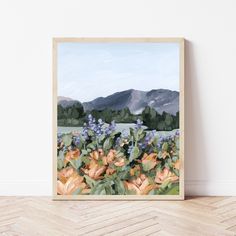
column 26, row 188
column 192, row 188
column 210, row 188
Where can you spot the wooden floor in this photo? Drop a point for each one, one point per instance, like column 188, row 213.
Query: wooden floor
column 42, row 216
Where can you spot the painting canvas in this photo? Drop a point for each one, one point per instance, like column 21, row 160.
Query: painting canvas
column 118, row 118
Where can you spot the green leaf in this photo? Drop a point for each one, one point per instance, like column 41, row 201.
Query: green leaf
column 139, row 134
column 77, row 191
column 90, row 133
column 60, row 164
column 76, row 163
column 119, row 186
column 131, row 131
column 134, row 154
column 114, row 133
column 165, row 146
column 91, row 146
column 119, row 154
column 85, row 159
column 174, row 158
column 147, row 166
column 97, row 188
column 177, row 142
column 175, row 171
column 165, row 184
column 90, row 181
column 130, row 192
column 174, row 190
column 125, row 174
column 155, row 140
column 101, row 138
column 107, row 144
column 103, row 191
column 108, row 189
column 84, row 152
column 67, row 139
column 152, row 192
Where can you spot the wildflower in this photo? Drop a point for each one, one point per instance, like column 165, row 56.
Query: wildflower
column 149, row 161
column 77, row 141
column 69, row 181
column 125, row 134
column 120, row 162
column 110, row 171
column 94, row 170
column 135, row 170
column 165, row 175
column 72, row 155
column 109, row 158
column 130, row 148
column 177, row 164
column 140, row 185
column 138, row 124
column 111, row 128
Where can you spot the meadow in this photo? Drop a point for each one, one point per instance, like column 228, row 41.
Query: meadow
column 117, row 159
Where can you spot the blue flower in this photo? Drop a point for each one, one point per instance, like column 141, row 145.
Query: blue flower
column 77, row 141
column 111, row 128
column 118, row 141
column 90, row 117
column 142, row 145
column 125, row 134
column 130, row 149
column 85, row 133
column 138, row 124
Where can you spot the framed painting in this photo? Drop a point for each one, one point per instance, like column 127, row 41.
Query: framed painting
column 118, row 118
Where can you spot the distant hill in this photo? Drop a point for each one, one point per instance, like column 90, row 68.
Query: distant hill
column 136, row 100
column 65, row 101
column 160, row 99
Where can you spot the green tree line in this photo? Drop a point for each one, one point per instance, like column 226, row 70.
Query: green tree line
column 76, row 116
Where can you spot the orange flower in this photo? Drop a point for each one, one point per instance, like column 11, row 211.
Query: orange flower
column 165, row 175
column 64, row 174
column 134, row 169
column 109, row 158
column 101, row 152
column 120, row 162
column 94, row 170
column 71, row 155
column 140, row 185
column 69, row 181
column 149, row 161
column 94, row 155
column 110, row 171
column 177, row 164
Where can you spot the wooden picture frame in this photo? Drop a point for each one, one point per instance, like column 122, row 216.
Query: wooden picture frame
column 180, row 42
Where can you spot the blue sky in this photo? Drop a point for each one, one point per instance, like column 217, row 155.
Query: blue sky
column 90, row 70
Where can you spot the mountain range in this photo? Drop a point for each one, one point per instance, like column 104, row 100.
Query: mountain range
column 159, row 99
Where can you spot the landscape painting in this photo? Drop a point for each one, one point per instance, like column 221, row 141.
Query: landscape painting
column 119, row 117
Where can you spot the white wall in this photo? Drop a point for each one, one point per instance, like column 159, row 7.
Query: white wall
column 27, row 28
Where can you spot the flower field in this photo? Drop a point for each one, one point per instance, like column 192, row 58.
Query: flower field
column 103, row 161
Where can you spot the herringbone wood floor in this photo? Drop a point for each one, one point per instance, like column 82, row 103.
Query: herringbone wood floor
column 42, row 216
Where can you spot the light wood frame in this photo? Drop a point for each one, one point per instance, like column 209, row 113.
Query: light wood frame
column 181, row 43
